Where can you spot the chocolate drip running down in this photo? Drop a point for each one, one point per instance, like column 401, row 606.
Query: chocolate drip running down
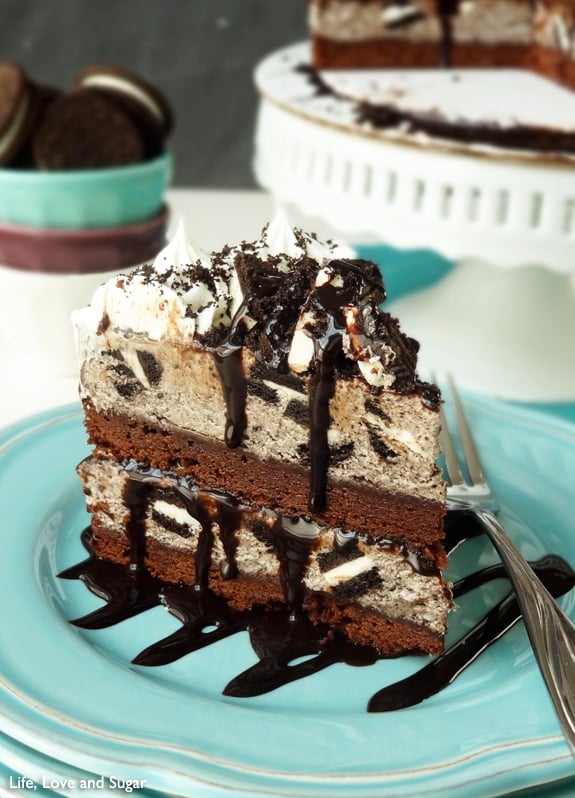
column 327, row 303
column 228, row 362
column 274, row 301
column 136, row 499
column 281, row 639
column 321, row 391
column 446, row 9
column 291, row 545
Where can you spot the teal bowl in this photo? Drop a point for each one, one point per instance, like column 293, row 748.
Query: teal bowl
column 78, row 200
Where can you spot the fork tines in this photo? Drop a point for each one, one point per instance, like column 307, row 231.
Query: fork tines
column 473, row 463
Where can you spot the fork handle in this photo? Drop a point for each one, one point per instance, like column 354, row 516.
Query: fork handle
column 551, row 632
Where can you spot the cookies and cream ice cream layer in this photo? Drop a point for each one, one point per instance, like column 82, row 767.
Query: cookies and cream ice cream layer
column 359, row 573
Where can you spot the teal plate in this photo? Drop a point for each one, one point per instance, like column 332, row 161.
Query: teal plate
column 73, row 695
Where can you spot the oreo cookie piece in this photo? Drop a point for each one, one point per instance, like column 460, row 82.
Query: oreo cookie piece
column 84, row 130
column 16, row 111
column 140, row 100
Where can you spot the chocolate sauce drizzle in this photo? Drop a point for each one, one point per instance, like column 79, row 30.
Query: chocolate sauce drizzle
column 321, row 391
column 524, row 138
column 446, row 9
column 288, row 645
column 558, row 578
column 280, row 298
column 291, row 545
column 327, row 303
column 228, row 360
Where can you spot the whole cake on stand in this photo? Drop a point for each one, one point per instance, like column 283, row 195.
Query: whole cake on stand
column 407, row 159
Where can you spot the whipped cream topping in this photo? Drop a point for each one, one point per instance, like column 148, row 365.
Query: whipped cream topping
column 280, row 240
column 273, row 290
column 181, row 295
column 180, row 251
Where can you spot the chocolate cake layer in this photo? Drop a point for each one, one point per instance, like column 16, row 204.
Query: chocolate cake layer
column 400, row 54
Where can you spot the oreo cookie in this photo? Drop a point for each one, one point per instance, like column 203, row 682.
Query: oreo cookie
column 17, row 107
column 141, row 101
column 85, row 130
column 43, row 96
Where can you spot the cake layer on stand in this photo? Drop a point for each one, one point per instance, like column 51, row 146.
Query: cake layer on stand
column 424, row 33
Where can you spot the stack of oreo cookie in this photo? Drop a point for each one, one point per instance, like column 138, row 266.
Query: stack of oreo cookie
column 110, row 117
column 83, row 174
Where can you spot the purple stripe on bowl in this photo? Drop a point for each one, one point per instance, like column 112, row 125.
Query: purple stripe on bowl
column 103, row 249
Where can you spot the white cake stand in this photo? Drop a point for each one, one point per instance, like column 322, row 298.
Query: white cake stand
column 503, row 320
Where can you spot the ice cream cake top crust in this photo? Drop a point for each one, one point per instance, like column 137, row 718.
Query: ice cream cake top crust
column 292, row 300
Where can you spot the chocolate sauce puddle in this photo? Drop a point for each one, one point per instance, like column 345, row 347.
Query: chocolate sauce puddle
column 557, row 577
column 127, row 592
column 288, row 645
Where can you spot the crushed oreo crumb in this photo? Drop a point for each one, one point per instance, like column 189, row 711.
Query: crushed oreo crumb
column 128, row 389
column 322, row 89
column 375, row 409
column 287, row 380
column 125, row 383
column 261, row 532
column 379, row 446
column 339, row 454
column 327, row 560
column 298, row 411
column 262, row 391
column 303, row 455
column 358, row 585
column 150, row 366
column 430, row 396
column 171, row 525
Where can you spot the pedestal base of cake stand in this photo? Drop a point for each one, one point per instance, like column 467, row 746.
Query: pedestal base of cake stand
column 504, row 332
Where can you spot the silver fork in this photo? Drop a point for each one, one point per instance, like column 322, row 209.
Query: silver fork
column 551, row 632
